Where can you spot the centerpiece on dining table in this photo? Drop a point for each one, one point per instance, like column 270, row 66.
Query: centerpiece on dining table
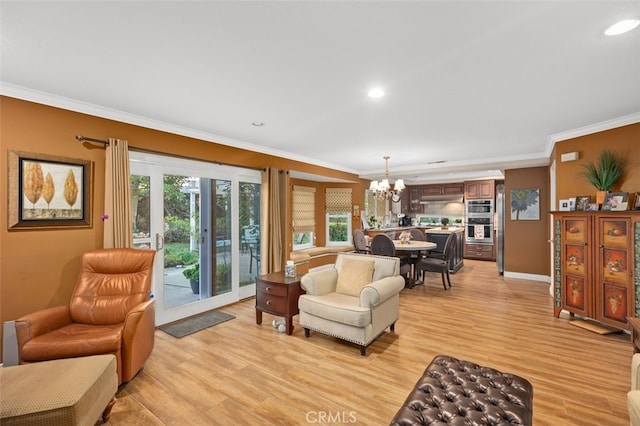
column 405, row 237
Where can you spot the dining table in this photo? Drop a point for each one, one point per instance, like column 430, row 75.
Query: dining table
column 414, row 246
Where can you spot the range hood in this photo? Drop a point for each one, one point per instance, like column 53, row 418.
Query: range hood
column 449, row 198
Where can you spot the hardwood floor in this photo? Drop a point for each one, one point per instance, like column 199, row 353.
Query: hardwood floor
column 241, row 373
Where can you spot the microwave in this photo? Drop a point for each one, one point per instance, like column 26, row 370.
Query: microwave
column 479, row 208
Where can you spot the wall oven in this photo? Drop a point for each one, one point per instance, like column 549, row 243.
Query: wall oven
column 479, row 230
column 479, row 208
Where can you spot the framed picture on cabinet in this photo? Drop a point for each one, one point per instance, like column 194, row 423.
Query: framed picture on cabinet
column 615, row 201
column 592, row 207
column 564, row 205
column 636, row 201
column 582, row 202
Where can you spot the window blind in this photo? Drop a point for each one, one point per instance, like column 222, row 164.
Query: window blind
column 338, row 200
column 304, row 208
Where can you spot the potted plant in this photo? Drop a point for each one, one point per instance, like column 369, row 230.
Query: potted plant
column 193, row 275
column 604, row 172
column 445, row 222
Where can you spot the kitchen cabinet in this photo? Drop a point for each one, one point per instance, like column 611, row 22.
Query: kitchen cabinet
column 479, row 189
column 439, row 236
column 596, row 260
column 414, row 199
column 416, row 192
column 443, row 189
column 479, row 251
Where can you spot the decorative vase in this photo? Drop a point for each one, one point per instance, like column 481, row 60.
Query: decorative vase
column 600, row 196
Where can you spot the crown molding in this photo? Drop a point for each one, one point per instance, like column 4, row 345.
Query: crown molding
column 44, row 98
column 593, row 128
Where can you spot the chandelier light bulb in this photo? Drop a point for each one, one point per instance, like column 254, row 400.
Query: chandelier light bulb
column 382, row 189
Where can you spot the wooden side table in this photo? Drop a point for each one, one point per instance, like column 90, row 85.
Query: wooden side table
column 278, row 295
column 635, row 333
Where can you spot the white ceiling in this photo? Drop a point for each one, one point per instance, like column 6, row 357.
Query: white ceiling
column 480, row 85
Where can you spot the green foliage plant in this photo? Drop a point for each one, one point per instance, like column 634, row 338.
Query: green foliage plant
column 606, row 171
column 192, row 273
column 444, row 221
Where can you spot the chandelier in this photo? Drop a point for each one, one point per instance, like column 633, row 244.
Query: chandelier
column 382, row 190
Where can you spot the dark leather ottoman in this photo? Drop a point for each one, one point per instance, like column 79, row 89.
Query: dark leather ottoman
column 458, row 392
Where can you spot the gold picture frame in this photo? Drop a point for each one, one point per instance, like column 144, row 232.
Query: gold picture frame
column 47, row 191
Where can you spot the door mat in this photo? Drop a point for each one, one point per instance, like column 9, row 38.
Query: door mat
column 594, row 326
column 195, row 323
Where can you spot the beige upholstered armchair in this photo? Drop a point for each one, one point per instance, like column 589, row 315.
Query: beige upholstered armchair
column 355, row 300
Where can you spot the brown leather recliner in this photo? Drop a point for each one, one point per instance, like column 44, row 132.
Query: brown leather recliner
column 110, row 313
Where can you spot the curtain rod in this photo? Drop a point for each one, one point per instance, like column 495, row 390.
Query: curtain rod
column 81, row 138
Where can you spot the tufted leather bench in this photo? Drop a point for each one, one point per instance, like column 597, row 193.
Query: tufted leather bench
column 458, row 392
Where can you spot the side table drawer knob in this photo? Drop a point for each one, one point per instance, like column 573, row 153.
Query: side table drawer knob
column 267, row 288
column 268, row 302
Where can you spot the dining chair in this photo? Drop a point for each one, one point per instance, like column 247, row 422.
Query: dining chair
column 382, row 245
column 417, row 234
column 360, row 242
column 438, row 262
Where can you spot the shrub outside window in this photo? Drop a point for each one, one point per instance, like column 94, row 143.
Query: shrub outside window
column 338, row 229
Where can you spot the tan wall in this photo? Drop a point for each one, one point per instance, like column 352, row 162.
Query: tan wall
column 526, row 241
column 38, row 267
column 569, row 179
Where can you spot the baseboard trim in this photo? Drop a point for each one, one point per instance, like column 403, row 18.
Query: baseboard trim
column 530, row 277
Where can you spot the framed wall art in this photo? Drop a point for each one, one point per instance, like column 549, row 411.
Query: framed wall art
column 47, row 191
column 525, row 204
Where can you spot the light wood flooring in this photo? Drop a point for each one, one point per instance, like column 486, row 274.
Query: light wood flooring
column 242, row 373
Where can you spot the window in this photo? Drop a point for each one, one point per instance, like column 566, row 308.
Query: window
column 338, row 204
column 303, row 212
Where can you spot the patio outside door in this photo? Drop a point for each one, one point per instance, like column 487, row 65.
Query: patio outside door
column 204, row 221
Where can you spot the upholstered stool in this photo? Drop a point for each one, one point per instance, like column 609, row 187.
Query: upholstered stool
column 72, row 391
column 458, row 392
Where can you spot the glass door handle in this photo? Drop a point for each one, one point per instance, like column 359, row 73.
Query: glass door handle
column 159, row 242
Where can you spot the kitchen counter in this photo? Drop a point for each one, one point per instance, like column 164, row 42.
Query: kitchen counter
column 439, row 230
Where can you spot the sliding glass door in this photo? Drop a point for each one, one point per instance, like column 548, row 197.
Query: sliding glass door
column 204, row 220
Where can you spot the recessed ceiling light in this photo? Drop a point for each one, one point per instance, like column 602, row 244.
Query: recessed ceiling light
column 622, row 27
column 257, row 123
column 376, row 92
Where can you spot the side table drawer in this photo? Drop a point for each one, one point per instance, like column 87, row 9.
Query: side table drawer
column 274, row 290
column 272, row 303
